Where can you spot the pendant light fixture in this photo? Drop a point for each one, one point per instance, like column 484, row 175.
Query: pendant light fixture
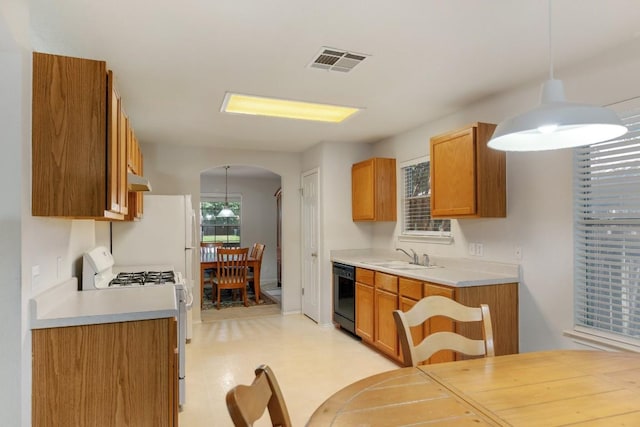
column 226, row 212
column 556, row 123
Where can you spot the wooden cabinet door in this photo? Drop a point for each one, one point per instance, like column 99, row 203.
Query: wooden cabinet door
column 386, row 335
column 373, row 190
column 113, row 374
column 468, row 179
column 364, row 312
column 114, row 142
column 123, row 191
column 69, row 138
column 453, row 174
column 440, row 323
column 362, row 191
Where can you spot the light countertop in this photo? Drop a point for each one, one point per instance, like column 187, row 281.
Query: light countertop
column 64, row 305
column 457, row 272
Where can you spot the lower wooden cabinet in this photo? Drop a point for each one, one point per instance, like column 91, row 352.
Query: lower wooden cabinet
column 386, row 301
column 364, row 312
column 112, row 374
column 391, row 292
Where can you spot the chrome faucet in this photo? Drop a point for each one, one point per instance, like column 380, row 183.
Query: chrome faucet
column 413, row 255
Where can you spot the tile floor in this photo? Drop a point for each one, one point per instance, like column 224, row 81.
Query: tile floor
column 310, row 361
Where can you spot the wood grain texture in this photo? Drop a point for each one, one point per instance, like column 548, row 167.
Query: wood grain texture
column 392, row 292
column 386, row 282
column 115, row 374
column 410, row 288
column 69, row 136
column 453, row 174
column 365, row 312
column 362, row 191
column 114, row 195
column 364, row 276
column 503, row 304
column 72, row 117
column 399, row 397
column 386, row 301
column 373, row 190
column 468, row 179
column 552, row 388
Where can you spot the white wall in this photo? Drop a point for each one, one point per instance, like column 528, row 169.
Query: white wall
column 258, row 214
column 176, row 169
column 337, row 229
column 11, row 332
column 25, row 241
column 539, row 197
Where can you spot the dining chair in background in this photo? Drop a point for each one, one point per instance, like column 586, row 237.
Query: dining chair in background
column 247, row 403
column 257, row 250
column 206, row 247
column 231, row 272
column 414, row 353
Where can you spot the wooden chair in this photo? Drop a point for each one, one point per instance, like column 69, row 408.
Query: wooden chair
column 209, row 272
column 441, row 306
column 247, row 403
column 232, row 271
column 257, row 250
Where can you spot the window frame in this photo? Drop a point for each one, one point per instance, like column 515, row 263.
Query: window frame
column 220, row 197
column 598, row 222
column 430, row 236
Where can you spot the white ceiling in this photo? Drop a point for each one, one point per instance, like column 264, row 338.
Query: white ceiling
column 174, row 60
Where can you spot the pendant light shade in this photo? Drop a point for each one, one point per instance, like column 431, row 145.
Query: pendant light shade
column 556, row 123
column 226, row 212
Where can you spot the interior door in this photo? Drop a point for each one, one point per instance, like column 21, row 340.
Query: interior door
column 310, row 232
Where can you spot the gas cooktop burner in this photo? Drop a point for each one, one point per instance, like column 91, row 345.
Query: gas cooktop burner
column 143, row 278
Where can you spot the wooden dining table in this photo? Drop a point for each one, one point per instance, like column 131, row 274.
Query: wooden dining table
column 551, row 388
column 209, row 260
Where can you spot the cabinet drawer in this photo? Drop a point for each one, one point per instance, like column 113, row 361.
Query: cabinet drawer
column 386, row 282
column 410, row 288
column 364, row 276
column 429, row 289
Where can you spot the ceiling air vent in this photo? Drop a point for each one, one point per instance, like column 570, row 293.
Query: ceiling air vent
column 336, row 60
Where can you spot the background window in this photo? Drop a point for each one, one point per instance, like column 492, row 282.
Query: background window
column 214, row 229
column 416, row 202
column 607, row 236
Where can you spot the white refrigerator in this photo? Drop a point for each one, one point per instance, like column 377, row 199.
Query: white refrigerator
column 166, row 234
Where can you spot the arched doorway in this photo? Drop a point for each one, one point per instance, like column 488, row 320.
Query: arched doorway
column 251, row 193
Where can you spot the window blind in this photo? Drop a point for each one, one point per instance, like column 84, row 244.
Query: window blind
column 417, row 202
column 607, row 234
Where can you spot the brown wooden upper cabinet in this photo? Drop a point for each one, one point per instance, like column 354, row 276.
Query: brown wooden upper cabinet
column 373, row 190
column 468, row 179
column 135, row 166
column 79, row 157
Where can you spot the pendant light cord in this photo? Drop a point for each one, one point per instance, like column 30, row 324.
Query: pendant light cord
column 549, row 41
column 226, row 189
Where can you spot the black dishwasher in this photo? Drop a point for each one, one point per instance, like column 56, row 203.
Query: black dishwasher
column 344, row 296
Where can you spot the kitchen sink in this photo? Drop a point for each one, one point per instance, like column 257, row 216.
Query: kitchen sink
column 400, row 265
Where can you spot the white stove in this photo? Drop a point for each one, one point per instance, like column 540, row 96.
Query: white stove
column 100, row 273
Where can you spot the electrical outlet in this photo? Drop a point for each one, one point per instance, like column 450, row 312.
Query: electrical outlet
column 472, row 249
column 479, row 249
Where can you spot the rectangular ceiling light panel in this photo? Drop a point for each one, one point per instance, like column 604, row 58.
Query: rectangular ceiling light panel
column 272, row 107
